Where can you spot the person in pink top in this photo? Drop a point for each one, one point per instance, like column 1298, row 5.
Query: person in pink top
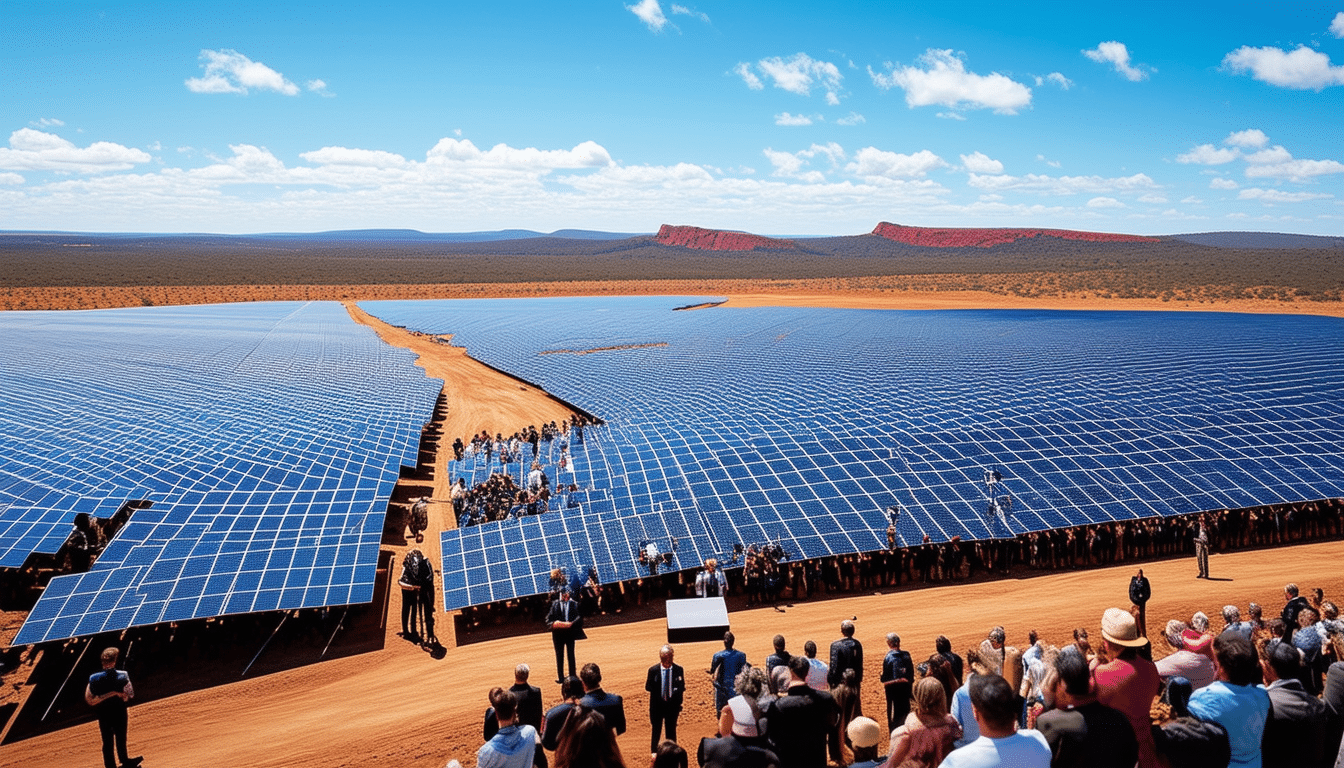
column 1128, row 682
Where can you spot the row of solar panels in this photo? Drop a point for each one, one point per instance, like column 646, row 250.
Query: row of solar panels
column 268, row 438
column 805, row 425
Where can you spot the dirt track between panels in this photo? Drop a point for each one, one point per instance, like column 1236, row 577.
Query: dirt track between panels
column 399, row 706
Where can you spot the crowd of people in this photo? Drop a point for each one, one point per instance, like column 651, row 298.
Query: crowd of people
column 1241, row 692
column 500, row 496
column 765, row 573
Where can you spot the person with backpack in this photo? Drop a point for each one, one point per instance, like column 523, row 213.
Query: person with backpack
column 410, row 594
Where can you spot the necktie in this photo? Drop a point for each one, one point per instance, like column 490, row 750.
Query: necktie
column 667, row 683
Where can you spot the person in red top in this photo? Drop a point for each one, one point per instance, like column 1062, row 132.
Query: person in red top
column 1128, row 682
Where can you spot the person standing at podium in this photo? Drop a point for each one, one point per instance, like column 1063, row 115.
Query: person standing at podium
column 711, row 581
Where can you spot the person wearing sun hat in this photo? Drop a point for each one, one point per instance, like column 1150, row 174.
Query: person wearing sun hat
column 1128, row 682
column 864, row 733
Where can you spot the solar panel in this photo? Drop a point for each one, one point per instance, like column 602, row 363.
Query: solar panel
column 267, row 436
column 757, row 412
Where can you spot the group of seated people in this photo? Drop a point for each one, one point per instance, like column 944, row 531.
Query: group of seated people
column 1249, row 692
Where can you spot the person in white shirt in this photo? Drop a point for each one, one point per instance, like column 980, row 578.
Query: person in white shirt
column 1000, row 743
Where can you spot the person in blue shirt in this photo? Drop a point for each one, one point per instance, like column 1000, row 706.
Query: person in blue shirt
column 723, row 670
column 107, row 692
column 1233, row 700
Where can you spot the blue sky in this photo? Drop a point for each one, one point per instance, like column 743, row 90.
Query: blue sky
column 777, row 118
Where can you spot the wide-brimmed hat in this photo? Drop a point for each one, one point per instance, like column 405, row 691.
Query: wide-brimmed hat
column 1119, row 627
column 864, row 732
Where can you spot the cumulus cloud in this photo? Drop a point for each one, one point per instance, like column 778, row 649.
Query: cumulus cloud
column 871, row 161
column 32, row 150
column 649, row 12
column 797, row 74
column 1104, row 202
column 979, row 162
column 1223, row 184
column 47, row 122
column 1152, row 199
column 1062, row 185
column 1051, row 163
column 367, row 158
column 853, row 118
column 1191, row 200
column 1337, row 26
column 228, row 71
column 940, row 78
column 1207, row 154
column 784, row 118
column 681, row 10
column 1117, row 55
column 589, row 154
column 11, row 179
column 1055, row 78
column 1303, row 69
column 1293, row 170
column 790, row 165
column 1251, row 138
column 319, row 87
column 1277, row 196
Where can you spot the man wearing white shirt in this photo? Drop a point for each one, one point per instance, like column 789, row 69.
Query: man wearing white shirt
column 1000, row 743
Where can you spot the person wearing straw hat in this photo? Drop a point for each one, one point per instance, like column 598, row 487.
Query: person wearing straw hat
column 1128, row 682
column 864, row 733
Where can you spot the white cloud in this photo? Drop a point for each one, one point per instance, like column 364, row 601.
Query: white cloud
column 1223, row 184
column 853, row 118
column 47, row 122
column 743, row 70
column 319, row 87
column 368, row 158
column 228, row 71
column 1117, row 55
column 1191, row 200
column 1104, row 202
column 871, row 161
column 1152, row 199
column 1303, row 69
column 681, row 10
column 796, row 74
column 1337, row 26
column 941, row 79
column 31, row 150
column 1062, row 185
column 951, row 116
column 790, row 165
column 1055, row 78
column 1251, row 138
column 589, row 154
column 1207, row 154
column 1275, row 154
column 1051, row 163
column 1277, row 196
column 979, row 162
column 784, row 118
column 1294, row 170
column 12, row 179
column 649, row 12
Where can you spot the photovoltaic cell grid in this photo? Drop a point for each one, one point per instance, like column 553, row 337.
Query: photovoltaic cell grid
column 267, row 436
column 804, row 425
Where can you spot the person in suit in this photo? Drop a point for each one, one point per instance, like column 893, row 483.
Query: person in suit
column 846, row 653
column 609, row 705
column 528, row 706
column 803, row 723
column 554, row 721
column 1295, row 731
column 666, row 685
column 566, row 624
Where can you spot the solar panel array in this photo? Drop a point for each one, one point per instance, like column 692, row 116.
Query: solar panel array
column 804, row 425
column 267, row 437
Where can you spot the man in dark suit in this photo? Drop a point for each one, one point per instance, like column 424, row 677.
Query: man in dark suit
column 846, row 653
column 566, row 625
column 1295, row 731
column 898, row 675
column 609, row 705
column 666, row 685
column 554, row 722
column 529, row 703
column 1293, row 605
column 803, row 723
